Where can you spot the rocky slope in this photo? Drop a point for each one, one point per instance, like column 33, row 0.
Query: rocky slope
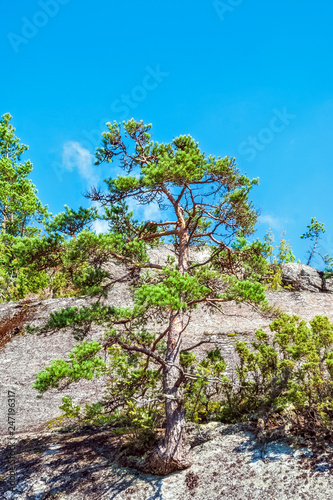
column 229, row 462
column 26, row 354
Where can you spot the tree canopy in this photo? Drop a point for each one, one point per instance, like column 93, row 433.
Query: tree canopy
column 153, row 381
column 19, row 204
column 207, row 201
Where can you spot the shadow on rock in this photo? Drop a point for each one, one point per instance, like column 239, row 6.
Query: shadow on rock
column 61, row 465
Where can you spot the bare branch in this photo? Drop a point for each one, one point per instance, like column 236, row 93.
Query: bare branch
column 175, row 205
column 198, row 344
column 145, row 351
column 160, row 337
column 181, row 194
column 214, row 254
column 158, row 235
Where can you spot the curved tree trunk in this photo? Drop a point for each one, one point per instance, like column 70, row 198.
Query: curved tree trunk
column 313, row 251
column 173, row 454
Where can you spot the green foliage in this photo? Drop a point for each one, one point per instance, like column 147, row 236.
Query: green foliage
column 269, row 240
column 314, row 233
column 177, row 163
column 16, row 278
column 70, row 260
column 328, row 272
column 63, row 268
column 245, row 291
column 120, row 220
column 274, row 278
column 20, row 208
column 138, row 358
column 83, row 364
column 293, row 369
column 97, row 313
column 70, row 410
column 204, row 385
column 143, row 420
column 175, row 292
column 53, row 266
column 29, row 265
column 288, row 371
column 187, row 359
column 315, row 228
column 252, row 256
column 285, row 253
column 71, row 222
column 19, row 204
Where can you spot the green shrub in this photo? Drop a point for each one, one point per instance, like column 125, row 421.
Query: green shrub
column 288, row 376
column 294, row 371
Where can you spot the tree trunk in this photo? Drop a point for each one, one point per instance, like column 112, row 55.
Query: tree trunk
column 173, row 454
column 4, row 220
column 313, row 251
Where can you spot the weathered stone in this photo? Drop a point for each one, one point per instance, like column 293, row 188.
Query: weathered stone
column 229, row 462
column 328, row 285
column 301, row 277
column 231, row 465
column 27, row 354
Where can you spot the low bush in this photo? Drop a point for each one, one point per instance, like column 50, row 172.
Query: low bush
column 287, row 379
column 283, row 382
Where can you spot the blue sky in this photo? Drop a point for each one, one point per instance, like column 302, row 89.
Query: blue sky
column 249, row 79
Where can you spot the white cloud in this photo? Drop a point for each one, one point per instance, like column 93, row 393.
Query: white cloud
column 150, row 211
column 75, row 156
column 100, row 226
column 277, row 223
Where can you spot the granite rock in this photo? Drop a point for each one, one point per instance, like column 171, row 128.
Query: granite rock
column 25, row 354
column 228, row 463
column 301, row 277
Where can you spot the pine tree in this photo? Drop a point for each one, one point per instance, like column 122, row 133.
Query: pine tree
column 314, row 232
column 19, row 204
column 207, row 199
column 71, row 222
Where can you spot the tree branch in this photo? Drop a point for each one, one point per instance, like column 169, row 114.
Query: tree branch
column 145, row 351
column 198, row 344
